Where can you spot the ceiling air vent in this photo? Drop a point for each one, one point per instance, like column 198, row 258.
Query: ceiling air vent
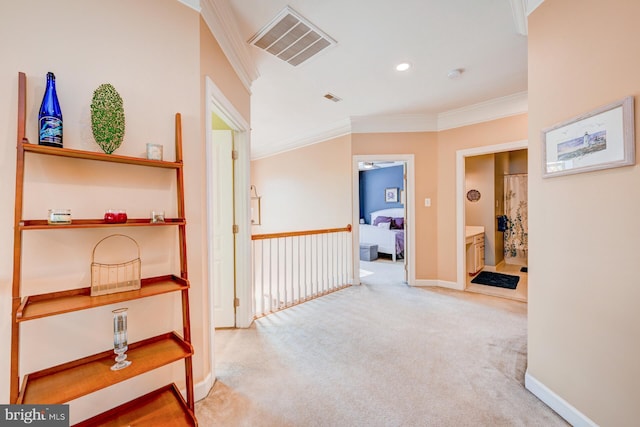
column 291, row 38
column 332, row 97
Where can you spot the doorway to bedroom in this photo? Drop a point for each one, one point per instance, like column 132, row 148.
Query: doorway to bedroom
column 383, row 213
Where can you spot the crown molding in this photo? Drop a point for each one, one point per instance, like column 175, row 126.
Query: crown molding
column 221, row 21
column 493, row 109
column 193, row 4
column 519, row 11
column 336, row 130
column 394, row 123
column 532, row 5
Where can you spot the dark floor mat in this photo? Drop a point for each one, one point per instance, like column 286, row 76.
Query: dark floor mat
column 496, row 279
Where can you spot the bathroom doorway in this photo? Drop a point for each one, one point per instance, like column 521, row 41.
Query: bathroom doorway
column 491, row 183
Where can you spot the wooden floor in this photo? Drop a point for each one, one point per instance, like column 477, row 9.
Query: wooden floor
column 519, row 293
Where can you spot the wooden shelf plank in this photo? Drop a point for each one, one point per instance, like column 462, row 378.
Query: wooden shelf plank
column 92, row 155
column 42, row 224
column 72, row 380
column 43, row 305
column 162, row 407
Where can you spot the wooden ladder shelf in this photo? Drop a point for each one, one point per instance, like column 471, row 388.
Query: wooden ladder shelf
column 73, row 379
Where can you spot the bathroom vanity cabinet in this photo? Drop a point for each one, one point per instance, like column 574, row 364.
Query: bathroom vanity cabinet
column 474, row 243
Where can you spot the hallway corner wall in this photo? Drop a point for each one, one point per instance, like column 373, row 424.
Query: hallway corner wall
column 583, row 283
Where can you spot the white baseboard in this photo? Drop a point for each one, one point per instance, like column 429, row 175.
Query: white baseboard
column 440, row 283
column 420, row 283
column 202, row 389
column 557, row 403
column 495, row 268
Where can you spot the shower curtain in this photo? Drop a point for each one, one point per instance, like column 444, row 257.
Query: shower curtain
column 516, row 209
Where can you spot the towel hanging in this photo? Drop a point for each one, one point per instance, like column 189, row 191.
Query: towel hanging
column 502, row 222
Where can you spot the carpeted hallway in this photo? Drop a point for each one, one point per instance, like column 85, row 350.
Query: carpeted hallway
column 378, row 354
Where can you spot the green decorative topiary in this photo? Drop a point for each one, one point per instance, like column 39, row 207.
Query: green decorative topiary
column 107, row 118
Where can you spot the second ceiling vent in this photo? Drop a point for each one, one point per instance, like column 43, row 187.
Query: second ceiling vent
column 291, row 38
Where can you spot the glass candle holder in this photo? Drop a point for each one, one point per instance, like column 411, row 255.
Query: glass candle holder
column 110, row 216
column 121, row 216
column 120, row 344
column 115, row 216
column 157, row 217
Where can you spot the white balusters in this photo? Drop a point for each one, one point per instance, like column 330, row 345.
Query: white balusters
column 290, row 268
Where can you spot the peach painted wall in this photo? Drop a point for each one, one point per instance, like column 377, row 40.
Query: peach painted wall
column 307, row 188
column 518, row 161
column 584, row 333
column 434, row 178
column 150, row 51
column 216, row 65
column 424, row 147
column 509, row 129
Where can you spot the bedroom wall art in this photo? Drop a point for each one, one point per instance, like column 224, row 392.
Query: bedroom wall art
column 391, row 195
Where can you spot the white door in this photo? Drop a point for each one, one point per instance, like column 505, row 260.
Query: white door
column 221, row 236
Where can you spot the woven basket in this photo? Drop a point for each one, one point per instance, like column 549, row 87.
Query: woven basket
column 115, row 277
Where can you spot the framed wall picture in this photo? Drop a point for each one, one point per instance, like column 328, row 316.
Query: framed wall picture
column 391, row 195
column 601, row 139
column 256, row 214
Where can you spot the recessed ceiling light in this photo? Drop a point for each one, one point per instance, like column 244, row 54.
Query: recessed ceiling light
column 404, row 66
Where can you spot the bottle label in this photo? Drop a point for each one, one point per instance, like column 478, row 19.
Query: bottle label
column 51, row 131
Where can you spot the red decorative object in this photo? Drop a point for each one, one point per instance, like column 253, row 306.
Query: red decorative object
column 112, row 216
column 121, row 217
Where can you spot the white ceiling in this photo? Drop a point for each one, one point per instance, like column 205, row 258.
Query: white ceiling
column 287, row 104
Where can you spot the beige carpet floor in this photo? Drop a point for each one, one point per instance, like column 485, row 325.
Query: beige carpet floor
column 378, row 354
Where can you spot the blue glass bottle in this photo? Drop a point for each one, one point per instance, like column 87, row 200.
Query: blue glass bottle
column 50, row 116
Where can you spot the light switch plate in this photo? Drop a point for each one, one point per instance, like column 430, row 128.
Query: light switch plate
column 427, row 202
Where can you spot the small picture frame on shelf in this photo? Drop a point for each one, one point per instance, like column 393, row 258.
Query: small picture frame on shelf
column 154, row 151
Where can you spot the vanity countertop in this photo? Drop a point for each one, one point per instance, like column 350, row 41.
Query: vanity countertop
column 473, row 230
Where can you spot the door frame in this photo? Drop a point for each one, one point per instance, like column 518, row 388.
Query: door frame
column 216, row 102
column 409, row 208
column 461, row 155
